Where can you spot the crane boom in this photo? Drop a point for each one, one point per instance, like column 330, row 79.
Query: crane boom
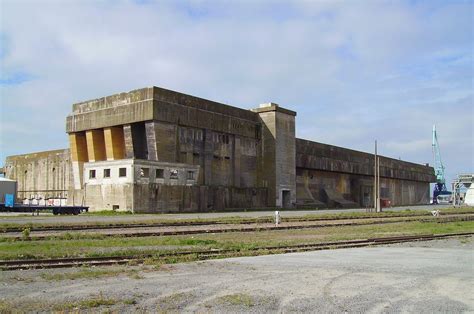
column 438, row 164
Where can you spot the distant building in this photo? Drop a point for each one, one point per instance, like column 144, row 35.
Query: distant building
column 156, row 150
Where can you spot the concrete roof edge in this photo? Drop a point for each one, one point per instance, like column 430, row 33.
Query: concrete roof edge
column 274, row 107
column 359, row 151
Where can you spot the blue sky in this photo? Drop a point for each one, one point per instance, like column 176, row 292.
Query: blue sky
column 353, row 70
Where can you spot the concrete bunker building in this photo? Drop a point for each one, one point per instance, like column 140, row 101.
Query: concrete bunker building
column 156, row 150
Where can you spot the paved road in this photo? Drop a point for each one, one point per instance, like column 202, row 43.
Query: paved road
column 424, row 277
column 49, row 218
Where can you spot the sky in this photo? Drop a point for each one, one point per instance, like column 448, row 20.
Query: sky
column 354, row 71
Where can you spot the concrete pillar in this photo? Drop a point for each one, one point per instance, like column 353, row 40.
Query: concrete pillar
column 151, row 140
column 278, row 169
column 236, row 161
column 79, row 155
column 78, row 145
column 161, row 141
column 208, row 157
column 95, row 144
column 128, row 140
column 114, row 143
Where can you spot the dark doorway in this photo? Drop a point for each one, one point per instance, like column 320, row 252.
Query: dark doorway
column 285, row 199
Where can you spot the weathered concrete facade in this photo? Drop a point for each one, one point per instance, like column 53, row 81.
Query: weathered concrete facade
column 156, row 150
column 42, row 176
column 337, row 176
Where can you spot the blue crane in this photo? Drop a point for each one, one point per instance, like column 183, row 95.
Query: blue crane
column 440, row 185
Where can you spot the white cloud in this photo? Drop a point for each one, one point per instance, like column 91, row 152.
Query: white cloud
column 354, row 71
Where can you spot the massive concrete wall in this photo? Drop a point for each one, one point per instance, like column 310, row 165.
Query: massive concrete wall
column 41, row 175
column 160, row 125
column 245, row 158
column 331, row 176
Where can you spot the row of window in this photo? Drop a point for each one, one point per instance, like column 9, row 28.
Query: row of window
column 144, row 173
column 93, row 173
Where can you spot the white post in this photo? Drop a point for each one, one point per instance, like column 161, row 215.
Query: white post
column 277, row 218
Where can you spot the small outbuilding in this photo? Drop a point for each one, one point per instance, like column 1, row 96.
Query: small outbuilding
column 7, row 186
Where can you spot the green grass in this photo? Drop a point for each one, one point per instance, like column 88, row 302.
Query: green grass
column 121, row 246
column 91, row 303
column 108, row 213
column 239, row 299
column 156, row 218
column 87, row 273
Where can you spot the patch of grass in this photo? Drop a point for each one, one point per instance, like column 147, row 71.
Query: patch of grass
column 94, row 302
column 239, row 299
column 5, row 307
column 159, row 218
column 130, row 302
column 174, row 302
column 108, row 213
column 85, row 273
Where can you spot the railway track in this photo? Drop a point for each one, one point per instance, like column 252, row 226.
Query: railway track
column 217, row 253
column 244, row 221
column 248, row 228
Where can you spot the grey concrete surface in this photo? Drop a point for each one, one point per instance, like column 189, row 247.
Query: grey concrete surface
column 49, row 218
column 419, row 277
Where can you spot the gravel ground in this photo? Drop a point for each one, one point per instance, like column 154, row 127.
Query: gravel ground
column 50, row 218
column 418, row 277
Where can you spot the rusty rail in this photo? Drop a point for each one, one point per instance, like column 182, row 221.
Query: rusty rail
column 217, row 253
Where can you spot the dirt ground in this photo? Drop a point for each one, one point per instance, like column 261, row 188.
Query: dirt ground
column 421, row 277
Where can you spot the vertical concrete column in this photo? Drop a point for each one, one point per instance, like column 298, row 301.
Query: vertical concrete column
column 79, row 155
column 208, row 157
column 236, row 161
column 114, row 143
column 151, row 142
column 95, row 144
column 128, row 141
column 161, row 141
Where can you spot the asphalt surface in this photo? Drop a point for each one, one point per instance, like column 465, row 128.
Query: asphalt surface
column 49, row 218
column 420, row 277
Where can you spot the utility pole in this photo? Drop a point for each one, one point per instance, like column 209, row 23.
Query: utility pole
column 375, row 178
column 378, row 185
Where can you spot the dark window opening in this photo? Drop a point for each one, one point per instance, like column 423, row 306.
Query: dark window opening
column 160, row 173
column 190, row 175
column 122, row 172
column 91, row 174
column 106, row 173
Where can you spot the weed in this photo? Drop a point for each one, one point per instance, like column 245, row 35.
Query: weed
column 130, row 302
column 25, row 234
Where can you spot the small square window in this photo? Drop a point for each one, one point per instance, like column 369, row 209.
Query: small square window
column 122, row 172
column 190, row 175
column 160, row 173
column 91, row 174
column 144, row 172
column 106, row 173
